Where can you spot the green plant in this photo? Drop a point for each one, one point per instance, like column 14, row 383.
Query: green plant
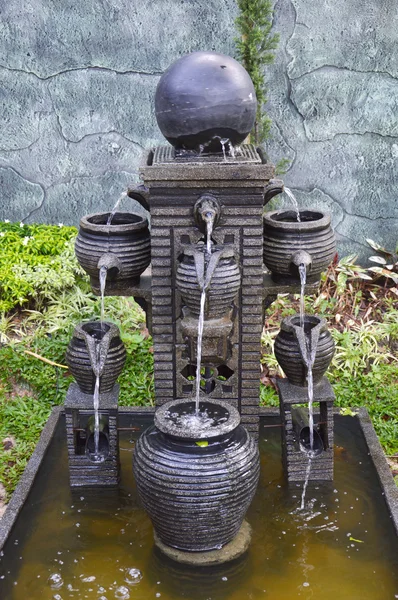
column 388, row 261
column 359, row 348
column 35, row 261
column 256, row 49
column 281, row 168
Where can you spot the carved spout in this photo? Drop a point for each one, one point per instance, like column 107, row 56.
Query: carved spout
column 308, row 343
column 301, row 257
column 274, row 187
column 205, row 270
column 97, row 336
column 207, row 211
column 111, row 263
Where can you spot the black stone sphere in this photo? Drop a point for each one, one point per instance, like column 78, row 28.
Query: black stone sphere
column 203, row 98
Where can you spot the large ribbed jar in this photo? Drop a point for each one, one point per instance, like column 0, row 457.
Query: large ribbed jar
column 196, row 496
column 124, row 246
column 224, row 284
column 289, row 354
column 111, row 351
column 285, row 237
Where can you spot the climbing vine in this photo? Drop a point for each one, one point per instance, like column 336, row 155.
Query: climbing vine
column 256, row 47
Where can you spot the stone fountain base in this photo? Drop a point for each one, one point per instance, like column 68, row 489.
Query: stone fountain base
column 230, row 551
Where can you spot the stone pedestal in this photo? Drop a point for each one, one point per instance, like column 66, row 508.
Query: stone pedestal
column 84, row 472
column 175, row 186
column 295, row 461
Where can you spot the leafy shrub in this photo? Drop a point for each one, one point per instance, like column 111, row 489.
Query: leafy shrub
column 36, row 260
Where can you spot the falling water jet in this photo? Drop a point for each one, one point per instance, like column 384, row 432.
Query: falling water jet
column 308, row 346
column 303, row 277
column 205, row 266
column 102, row 279
column 224, row 142
column 199, row 348
column 209, row 217
column 307, row 478
column 294, row 202
column 96, row 457
column 114, row 209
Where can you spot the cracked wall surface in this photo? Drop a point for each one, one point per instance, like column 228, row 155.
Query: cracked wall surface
column 333, row 100
column 77, row 83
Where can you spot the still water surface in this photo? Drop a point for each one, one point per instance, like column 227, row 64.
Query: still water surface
column 100, row 545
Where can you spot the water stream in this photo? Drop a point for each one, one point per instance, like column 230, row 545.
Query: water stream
column 309, row 358
column 224, row 142
column 303, row 280
column 114, row 209
column 307, row 478
column 209, row 232
column 209, row 217
column 199, row 348
column 102, row 280
column 294, row 202
column 96, row 457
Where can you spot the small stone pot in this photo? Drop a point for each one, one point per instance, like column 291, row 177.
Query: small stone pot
column 196, row 496
column 96, row 347
column 289, row 243
column 291, row 351
column 123, row 247
column 220, row 275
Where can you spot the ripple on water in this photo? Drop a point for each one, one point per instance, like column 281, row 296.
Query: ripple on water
column 133, row 576
column 55, row 580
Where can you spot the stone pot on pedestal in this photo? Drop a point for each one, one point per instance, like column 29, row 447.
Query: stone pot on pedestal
column 123, row 247
column 96, row 346
column 218, row 273
column 289, row 243
column 196, row 481
column 291, row 348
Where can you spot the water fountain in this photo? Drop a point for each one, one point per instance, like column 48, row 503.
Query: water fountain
column 197, row 459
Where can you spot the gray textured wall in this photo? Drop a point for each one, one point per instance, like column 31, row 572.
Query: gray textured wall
column 77, row 81
column 334, row 102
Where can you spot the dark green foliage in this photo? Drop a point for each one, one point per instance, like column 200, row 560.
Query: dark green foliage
column 256, row 49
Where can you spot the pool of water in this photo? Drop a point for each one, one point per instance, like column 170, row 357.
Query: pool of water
column 99, row 544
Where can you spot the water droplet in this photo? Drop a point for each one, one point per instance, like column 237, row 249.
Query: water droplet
column 224, row 578
column 306, row 584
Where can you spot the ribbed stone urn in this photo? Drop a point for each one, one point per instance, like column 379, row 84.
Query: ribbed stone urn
column 96, row 347
column 123, row 247
column 291, row 345
column 219, row 273
column 289, row 243
column 196, row 482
